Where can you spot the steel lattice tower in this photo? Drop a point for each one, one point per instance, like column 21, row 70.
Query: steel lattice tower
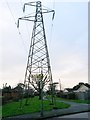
column 38, row 58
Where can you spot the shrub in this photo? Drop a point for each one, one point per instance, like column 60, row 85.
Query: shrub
column 71, row 96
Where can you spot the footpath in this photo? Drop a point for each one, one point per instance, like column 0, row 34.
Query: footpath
column 74, row 108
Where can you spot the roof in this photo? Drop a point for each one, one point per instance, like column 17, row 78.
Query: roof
column 87, row 85
column 77, row 87
column 17, row 88
column 69, row 89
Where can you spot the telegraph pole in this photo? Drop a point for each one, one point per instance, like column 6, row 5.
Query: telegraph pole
column 60, row 84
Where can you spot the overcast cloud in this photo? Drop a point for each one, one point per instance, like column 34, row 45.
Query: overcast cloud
column 68, row 46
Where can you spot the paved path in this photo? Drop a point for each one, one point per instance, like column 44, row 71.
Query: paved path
column 72, row 103
column 74, row 108
column 68, row 102
column 77, row 106
column 79, row 115
column 84, row 115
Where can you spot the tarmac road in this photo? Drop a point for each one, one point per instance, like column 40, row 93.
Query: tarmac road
column 79, row 115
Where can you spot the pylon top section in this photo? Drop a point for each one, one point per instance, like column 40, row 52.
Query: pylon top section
column 39, row 11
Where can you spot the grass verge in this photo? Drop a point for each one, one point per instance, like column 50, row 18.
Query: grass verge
column 0, row 111
column 34, row 105
column 77, row 101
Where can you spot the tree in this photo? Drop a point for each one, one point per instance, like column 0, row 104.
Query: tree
column 6, row 93
column 52, row 87
column 38, row 83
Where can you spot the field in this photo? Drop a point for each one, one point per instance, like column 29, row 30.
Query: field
column 34, row 105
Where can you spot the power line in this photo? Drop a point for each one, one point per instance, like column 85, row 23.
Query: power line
column 26, row 24
column 52, row 22
column 53, row 4
column 10, row 11
column 16, row 25
column 22, row 40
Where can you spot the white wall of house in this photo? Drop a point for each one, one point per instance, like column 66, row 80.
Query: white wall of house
column 82, row 88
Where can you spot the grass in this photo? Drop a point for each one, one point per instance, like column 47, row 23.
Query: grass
column 0, row 111
column 13, row 108
column 77, row 101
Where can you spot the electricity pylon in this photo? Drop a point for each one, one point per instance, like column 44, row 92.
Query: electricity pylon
column 38, row 58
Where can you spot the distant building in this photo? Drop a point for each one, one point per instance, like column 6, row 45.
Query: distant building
column 16, row 93
column 80, row 91
column 68, row 90
column 11, row 94
column 81, row 87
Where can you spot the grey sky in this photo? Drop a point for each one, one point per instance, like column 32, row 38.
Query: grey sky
column 68, row 46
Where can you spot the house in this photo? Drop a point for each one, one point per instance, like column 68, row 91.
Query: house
column 66, row 90
column 80, row 91
column 17, row 92
column 81, row 87
column 11, row 94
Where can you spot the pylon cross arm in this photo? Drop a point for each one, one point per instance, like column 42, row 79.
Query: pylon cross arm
column 24, row 18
